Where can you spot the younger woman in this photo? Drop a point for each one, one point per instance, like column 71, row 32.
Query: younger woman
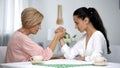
column 94, row 42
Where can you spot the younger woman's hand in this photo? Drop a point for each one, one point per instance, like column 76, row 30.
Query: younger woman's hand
column 80, row 58
column 60, row 29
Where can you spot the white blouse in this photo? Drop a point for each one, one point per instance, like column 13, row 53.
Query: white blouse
column 96, row 46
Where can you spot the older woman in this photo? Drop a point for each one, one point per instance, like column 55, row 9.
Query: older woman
column 21, row 47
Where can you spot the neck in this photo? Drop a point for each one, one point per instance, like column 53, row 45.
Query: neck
column 24, row 31
column 90, row 30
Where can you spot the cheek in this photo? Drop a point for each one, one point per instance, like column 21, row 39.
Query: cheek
column 84, row 26
column 33, row 30
column 81, row 27
column 37, row 28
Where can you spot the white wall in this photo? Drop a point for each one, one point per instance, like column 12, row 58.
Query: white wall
column 115, row 55
column 108, row 10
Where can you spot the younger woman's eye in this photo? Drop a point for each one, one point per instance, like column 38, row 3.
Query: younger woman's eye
column 76, row 23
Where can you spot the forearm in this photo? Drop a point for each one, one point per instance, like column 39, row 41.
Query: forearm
column 60, row 32
column 62, row 42
column 54, row 43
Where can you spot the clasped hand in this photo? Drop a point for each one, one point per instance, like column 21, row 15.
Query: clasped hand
column 60, row 31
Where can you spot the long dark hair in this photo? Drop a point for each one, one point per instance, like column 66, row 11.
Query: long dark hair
column 95, row 19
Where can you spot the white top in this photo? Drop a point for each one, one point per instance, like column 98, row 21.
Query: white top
column 96, row 46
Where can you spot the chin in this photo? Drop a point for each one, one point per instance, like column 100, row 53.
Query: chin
column 81, row 31
column 34, row 33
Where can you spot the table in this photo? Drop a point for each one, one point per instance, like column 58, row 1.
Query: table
column 58, row 63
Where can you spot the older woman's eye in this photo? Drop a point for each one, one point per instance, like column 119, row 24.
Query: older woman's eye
column 39, row 23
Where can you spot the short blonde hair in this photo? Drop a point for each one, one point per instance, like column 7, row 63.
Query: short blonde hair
column 30, row 17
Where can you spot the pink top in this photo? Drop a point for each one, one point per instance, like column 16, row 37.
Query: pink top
column 21, row 48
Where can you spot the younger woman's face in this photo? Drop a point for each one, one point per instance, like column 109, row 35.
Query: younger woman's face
column 35, row 29
column 79, row 24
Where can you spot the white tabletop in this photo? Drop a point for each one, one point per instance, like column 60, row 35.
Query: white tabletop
column 58, row 61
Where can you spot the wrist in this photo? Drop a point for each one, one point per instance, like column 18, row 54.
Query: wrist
column 56, row 37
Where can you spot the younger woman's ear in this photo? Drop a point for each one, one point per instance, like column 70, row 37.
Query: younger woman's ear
column 86, row 20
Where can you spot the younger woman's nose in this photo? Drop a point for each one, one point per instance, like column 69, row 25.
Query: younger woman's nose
column 75, row 26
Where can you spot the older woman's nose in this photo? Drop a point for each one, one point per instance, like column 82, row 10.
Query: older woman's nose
column 39, row 27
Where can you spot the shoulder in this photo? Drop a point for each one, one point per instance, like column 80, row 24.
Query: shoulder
column 99, row 37
column 98, row 34
column 17, row 34
column 19, row 37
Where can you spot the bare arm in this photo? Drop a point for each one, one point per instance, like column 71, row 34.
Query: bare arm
column 54, row 43
column 60, row 32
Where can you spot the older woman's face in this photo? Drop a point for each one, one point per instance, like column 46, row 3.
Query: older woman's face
column 35, row 29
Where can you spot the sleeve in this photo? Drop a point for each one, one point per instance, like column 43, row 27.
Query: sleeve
column 99, row 45
column 68, row 52
column 32, row 49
